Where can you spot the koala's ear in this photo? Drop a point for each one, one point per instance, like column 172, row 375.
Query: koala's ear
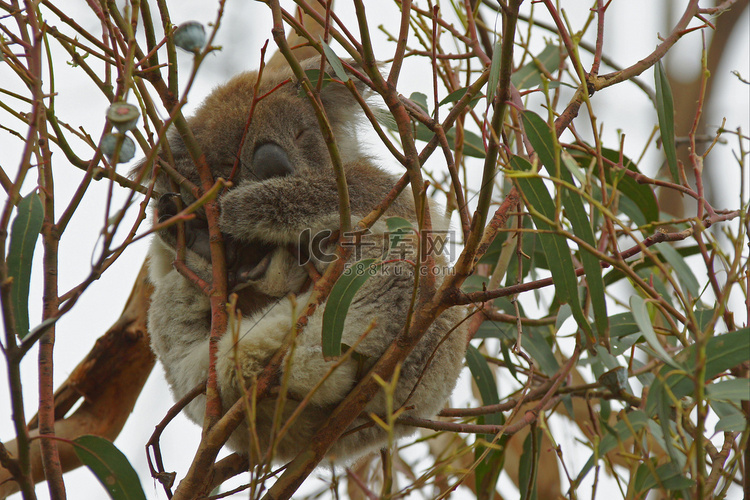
column 341, row 106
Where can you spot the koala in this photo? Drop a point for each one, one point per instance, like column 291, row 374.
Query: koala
column 284, row 197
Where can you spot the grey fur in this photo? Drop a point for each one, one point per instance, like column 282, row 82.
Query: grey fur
column 276, row 210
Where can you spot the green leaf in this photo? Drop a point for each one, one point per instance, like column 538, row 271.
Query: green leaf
column 529, row 461
column 398, row 223
column 732, row 423
column 110, row 467
column 530, row 75
column 665, row 113
column 731, row 417
column 668, row 476
column 473, row 144
column 554, row 245
column 622, row 324
column 494, row 76
column 638, row 305
column 398, row 227
column 335, row 62
column 730, row 390
column 662, row 401
column 421, row 100
column 642, row 195
column 684, row 274
column 636, row 421
column 314, row 75
column 456, row 96
column 488, row 470
column 24, row 232
column 495, row 330
column 723, row 352
column 544, row 141
column 535, row 343
column 485, row 381
column 337, row 305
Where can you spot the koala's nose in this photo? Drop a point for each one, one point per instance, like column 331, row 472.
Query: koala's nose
column 270, row 160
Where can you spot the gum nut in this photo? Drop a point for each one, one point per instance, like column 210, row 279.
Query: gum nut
column 190, row 36
column 124, row 116
column 127, row 150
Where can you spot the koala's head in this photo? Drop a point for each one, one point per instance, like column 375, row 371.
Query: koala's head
column 282, row 136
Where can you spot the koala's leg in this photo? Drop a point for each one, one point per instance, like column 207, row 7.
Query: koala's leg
column 246, row 352
column 179, row 325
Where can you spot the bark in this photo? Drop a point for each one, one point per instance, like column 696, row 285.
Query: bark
column 109, row 380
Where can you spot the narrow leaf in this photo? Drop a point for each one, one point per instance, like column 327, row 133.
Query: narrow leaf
column 665, row 113
column 24, row 233
column 421, row 100
column 668, row 476
column 638, row 305
column 335, row 62
column 529, row 463
column 488, row 470
column 398, row 223
column 456, row 96
column 723, row 352
column 636, row 421
column 483, row 378
column 530, row 75
column 555, row 246
column 494, row 77
column 544, row 141
column 642, row 195
column 539, row 349
column 684, row 274
column 730, row 390
column 110, row 467
column 337, row 305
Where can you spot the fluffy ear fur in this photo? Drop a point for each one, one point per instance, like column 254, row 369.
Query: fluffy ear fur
column 285, row 198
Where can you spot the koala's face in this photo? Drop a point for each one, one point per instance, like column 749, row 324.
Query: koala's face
column 281, row 138
column 284, row 137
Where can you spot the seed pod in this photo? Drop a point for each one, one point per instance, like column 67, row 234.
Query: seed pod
column 124, row 116
column 127, row 149
column 190, row 36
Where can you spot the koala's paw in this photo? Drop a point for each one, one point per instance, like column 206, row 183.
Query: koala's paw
column 245, row 211
column 196, row 229
column 239, row 361
column 246, row 262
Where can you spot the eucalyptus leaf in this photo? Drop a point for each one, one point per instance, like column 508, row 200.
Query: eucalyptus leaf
column 110, row 467
column 736, row 390
column 684, row 274
column 339, row 300
column 335, row 62
column 638, row 305
column 24, row 233
column 665, row 113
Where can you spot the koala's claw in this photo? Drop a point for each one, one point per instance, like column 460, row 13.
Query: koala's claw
column 166, row 208
column 249, row 262
column 249, row 272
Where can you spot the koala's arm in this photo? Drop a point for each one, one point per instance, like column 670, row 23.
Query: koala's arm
column 277, row 210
